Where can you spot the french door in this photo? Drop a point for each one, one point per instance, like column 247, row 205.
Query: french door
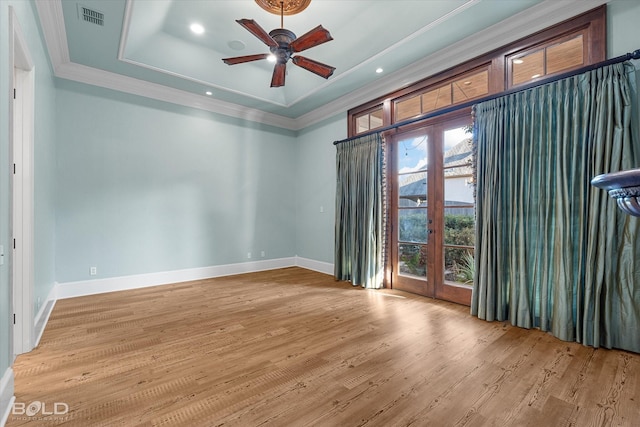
column 432, row 209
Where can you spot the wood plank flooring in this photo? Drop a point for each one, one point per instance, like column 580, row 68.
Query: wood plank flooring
column 293, row 347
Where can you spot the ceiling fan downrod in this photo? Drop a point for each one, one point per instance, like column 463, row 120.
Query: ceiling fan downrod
column 281, row 14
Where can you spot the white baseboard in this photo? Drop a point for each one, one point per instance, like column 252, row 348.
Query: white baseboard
column 310, row 264
column 6, row 396
column 92, row 287
column 42, row 317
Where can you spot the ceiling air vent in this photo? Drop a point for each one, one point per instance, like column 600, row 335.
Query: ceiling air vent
column 91, row 16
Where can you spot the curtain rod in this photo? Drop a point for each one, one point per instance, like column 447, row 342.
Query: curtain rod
column 633, row 55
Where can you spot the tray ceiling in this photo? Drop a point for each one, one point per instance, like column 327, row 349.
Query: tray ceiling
column 146, row 47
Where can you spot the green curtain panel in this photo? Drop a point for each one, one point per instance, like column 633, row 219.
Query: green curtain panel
column 359, row 212
column 552, row 251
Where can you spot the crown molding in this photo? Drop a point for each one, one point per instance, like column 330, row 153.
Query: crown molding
column 536, row 18
column 118, row 82
column 55, row 36
column 52, row 22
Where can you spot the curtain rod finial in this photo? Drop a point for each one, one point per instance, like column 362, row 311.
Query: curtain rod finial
column 635, row 54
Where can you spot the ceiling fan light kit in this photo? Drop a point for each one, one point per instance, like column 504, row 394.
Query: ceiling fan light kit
column 283, row 43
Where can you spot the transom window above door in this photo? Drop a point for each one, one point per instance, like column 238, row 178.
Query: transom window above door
column 564, row 47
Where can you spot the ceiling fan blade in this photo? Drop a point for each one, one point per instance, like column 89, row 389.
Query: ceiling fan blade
column 279, row 72
column 310, row 39
column 316, row 67
column 248, row 58
column 255, row 29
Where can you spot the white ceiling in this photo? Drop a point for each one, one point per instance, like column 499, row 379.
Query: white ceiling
column 145, row 47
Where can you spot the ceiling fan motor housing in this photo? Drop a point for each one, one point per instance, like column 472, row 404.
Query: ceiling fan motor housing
column 283, row 37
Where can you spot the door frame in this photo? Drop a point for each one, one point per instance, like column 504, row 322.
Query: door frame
column 20, row 167
column 433, row 284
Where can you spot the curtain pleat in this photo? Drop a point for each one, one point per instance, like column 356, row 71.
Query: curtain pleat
column 552, row 251
column 359, row 236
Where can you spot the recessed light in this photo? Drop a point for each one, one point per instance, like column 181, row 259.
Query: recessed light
column 518, row 61
column 467, row 83
column 208, row 93
column 196, row 28
column 379, row 70
column 535, row 76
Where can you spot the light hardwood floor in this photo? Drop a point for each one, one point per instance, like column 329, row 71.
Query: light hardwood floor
column 293, row 347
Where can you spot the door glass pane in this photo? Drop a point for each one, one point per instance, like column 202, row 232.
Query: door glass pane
column 412, row 260
column 459, row 265
column 457, row 163
column 458, row 190
column 459, row 226
column 412, row 225
column 412, row 190
column 459, row 206
column 412, row 154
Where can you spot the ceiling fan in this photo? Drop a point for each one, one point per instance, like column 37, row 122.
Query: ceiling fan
column 283, row 44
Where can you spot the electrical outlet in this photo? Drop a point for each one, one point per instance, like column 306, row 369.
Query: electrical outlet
column 262, row 254
column 248, row 255
column 93, row 271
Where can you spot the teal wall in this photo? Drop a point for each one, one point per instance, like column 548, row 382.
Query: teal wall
column 623, row 34
column 44, row 166
column 149, row 187
column 316, row 188
column 4, row 189
column 44, row 172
